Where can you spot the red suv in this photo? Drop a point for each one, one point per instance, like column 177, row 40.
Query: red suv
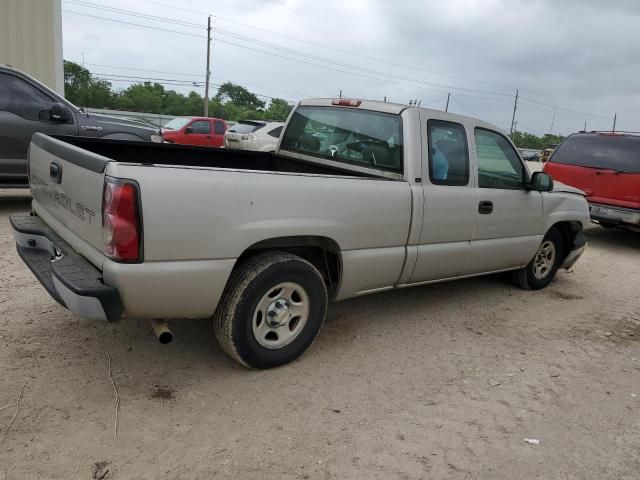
column 606, row 166
column 203, row 131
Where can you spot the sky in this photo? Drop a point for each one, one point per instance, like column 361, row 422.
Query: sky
column 579, row 58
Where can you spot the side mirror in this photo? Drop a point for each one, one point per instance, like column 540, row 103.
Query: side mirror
column 541, row 182
column 188, row 130
column 59, row 113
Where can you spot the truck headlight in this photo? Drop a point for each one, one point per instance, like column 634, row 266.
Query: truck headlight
column 156, row 138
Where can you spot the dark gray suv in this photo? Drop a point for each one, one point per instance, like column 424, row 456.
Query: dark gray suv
column 27, row 106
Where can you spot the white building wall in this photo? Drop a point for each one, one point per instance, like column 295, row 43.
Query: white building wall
column 31, row 39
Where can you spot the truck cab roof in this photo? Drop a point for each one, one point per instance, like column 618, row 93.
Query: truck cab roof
column 392, row 108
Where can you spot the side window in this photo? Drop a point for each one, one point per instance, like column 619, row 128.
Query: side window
column 218, row 127
column 201, row 126
column 23, row 99
column 275, row 132
column 448, row 153
column 498, row 163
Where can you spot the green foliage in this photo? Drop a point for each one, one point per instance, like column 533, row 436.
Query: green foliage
column 82, row 89
column 529, row 140
column 239, row 96
column 232, row 102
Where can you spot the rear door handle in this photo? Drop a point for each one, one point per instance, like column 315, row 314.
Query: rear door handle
column 485, row 207
column 55, row 172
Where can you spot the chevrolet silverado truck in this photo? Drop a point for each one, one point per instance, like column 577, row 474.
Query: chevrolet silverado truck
column 28, row 106
column 360, row 197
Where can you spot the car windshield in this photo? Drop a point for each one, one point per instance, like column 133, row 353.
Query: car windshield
column 177, row 123
column 606, row 151
column 348, row 135
column 246, row 127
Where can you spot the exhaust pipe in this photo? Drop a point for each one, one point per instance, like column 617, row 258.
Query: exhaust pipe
column 161, row 329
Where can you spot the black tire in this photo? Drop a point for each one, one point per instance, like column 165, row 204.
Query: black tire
column 530, row 277
column 247, row 287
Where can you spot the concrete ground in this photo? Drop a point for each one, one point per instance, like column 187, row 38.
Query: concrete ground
column 443, row 381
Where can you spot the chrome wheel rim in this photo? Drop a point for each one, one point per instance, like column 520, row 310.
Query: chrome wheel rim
column 544, row 260
column 280, row 315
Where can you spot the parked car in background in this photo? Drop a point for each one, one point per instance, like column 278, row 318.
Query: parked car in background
column 28, row 106
column 530, row 155
column 547, row 152
column 390, row 196
column 254, row 135
column 606, row 166
column 201, row 131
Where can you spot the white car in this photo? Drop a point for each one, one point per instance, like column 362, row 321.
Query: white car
column 253, row 135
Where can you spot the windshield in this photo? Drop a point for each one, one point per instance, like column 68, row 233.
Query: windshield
column 611, row 152
column 246, row 127
column 177, row 123
column 348, row 135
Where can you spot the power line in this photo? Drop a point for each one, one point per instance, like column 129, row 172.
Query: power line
column 122, row 11
column 195, row 75
column 251, row 48
column 320, row 45
column 133, row 24
column 551, row 108
column 283, row 49
column 162, row 81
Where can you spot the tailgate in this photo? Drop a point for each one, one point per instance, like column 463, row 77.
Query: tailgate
column 601, row 185
column 614, row 188
column 67, row 186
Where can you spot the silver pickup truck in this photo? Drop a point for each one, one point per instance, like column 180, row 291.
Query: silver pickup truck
column 360, row 197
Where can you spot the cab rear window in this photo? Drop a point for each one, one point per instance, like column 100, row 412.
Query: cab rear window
column 348, row 135
column 611, row 152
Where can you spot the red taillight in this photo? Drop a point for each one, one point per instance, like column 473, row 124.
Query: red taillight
column 346, row 102
column 121, row 220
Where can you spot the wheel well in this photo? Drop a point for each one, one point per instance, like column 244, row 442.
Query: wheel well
column 322, row 252
column 568, row 230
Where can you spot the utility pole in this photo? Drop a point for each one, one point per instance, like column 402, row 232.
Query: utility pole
column 553, row 120
column 446, row 109
column 206, row 86
column 615, row 117
column 513, row 117
column 585, row 126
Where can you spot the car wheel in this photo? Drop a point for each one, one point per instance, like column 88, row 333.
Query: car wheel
column 543, row 267
column 271, row 311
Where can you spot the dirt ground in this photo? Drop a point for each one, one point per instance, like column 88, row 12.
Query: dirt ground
column 443, row 381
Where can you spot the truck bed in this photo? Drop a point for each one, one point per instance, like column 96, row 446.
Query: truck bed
column 192, row 156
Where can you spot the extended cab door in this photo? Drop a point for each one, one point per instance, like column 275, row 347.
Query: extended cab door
column 217, row 139
column 509, row 224
column 449, row 200
column 25, row 108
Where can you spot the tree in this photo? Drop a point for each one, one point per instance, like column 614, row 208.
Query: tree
column 278, row 110
column 239, row 96
column 82, row 89
column 141, row 97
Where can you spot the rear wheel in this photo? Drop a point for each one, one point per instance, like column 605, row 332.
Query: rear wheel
column 271, row 311
column 543, row 267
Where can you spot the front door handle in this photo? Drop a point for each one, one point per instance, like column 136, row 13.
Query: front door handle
column 485, row 207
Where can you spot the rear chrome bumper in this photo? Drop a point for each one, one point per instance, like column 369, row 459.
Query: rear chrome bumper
column 68, row 277
column 614, row 215
column 579, row 246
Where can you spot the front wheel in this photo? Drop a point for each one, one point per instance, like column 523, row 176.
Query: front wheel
column 271, row 311
column 540, row 271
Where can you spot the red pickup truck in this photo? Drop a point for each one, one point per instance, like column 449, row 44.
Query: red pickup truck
column 202, row 131
column 606, row 166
